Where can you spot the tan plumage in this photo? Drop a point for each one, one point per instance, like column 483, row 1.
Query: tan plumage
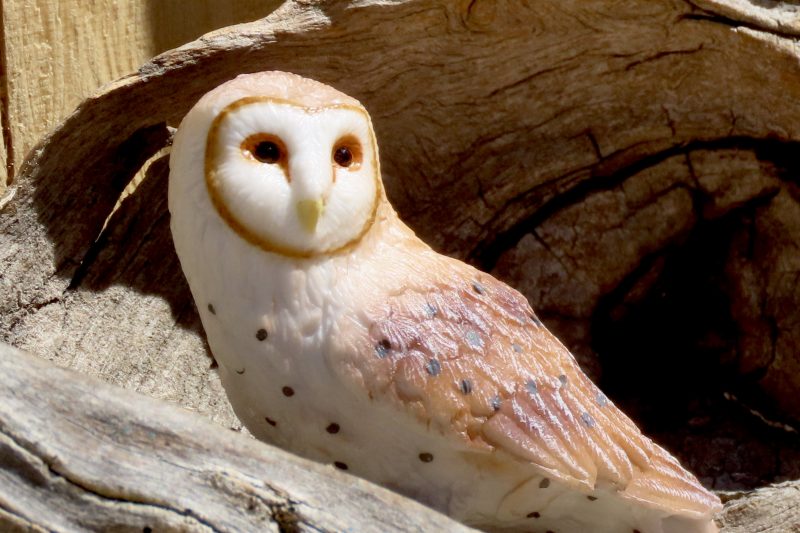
column 447, row 328
column 405, row 366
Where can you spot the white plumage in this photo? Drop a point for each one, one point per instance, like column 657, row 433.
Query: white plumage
column 342, row 337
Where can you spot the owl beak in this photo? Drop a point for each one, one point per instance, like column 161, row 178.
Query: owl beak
column 309, row 211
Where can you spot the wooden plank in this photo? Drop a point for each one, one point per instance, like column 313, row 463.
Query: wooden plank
column 77, row 454
column 3, row 158
column 58, row 53
column 6, row 172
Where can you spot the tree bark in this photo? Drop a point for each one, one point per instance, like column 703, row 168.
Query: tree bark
column 631, row 167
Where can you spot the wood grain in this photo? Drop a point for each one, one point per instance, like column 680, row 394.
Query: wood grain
column 57, row 54
column 79, row 455
column 602, row 127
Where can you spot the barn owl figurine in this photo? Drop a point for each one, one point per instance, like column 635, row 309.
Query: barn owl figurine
column 342, row 337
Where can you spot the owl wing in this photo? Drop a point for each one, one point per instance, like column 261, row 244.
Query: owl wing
column 465, row 354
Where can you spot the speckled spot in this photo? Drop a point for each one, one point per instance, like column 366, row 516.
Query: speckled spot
column 544, row 483
column 261, row 334
column 270, row 421
column 288, row 391
column 333, row 428
column 430, row 310
column 531, row 386
column 426, row 457
column 211, row 309
column 592, row 498
column 563, row 379
column 497, row 402
column 240, row 372
column 516, row 347
column 602, row 400
column 534, row 515
column 473, row 339
column 434, row 368
column 477, row 287
column 382, row 348
column 587, row 419
column 465, row 386
column 340, row 465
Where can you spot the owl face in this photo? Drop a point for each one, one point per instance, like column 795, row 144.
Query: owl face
column 293, row 179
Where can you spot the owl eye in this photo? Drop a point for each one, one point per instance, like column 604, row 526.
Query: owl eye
column 343, row 156
column 267, row 152
column 347, row 153
column 265, row 148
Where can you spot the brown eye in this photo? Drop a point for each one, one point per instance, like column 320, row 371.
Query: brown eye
column 347, row 153
column 267, row 152
column 266, row 148
column 343, row 156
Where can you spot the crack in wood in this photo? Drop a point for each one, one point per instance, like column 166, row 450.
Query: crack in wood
column 714, row 18
column 661, row 55
column 610, row 172
column 5, row 120
column 34, row 458
column 18, row 520
column 284, row 514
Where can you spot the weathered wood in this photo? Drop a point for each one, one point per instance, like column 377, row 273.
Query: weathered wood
column 57, row 54
column 77, row 454
column 774, row 509
column 570, row 147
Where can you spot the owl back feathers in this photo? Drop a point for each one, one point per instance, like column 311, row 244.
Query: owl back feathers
column 465, row 354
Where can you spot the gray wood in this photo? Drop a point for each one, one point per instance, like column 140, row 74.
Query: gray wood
column 774, row 509
column 77, row 454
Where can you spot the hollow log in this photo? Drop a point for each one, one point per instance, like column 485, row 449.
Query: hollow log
column 631, row 167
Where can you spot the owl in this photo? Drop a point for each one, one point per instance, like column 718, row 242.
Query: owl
column 342, row 337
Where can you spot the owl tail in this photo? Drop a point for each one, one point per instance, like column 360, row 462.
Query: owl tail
column 563, row 509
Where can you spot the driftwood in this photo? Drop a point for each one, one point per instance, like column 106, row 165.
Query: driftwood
column 108, row 459
column 601, row 156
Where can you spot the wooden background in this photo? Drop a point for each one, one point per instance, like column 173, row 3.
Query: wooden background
column 676, row 107
column 54, row 54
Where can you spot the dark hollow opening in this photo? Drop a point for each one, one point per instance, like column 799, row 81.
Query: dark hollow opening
column 667, row 344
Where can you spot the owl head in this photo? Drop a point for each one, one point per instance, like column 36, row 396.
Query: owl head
column 289, row 164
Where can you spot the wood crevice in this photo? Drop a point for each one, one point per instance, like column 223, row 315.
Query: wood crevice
column 704, row 15
column 487, row 253
column 35, row 458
